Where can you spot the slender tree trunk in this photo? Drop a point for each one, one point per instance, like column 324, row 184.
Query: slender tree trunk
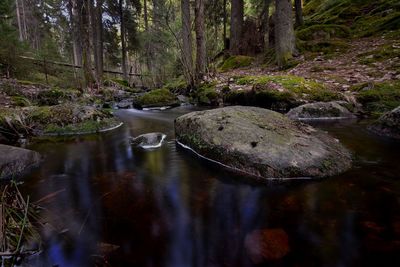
column 75, row 9
column 99, row 28
column 187, row 41
column 284, row 32
column 200, row 40
column 93, row 24
column 86, row 56
column 236, row 26
column 24, row 20
column 299, row 12
column 123, row 40
column 225, row 21
column 267, row 4
column 18, row 11
column 145, row 14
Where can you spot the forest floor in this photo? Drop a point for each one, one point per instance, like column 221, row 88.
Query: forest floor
column 366, row 60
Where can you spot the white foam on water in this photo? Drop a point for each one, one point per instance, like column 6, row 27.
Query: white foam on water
column 155, row 146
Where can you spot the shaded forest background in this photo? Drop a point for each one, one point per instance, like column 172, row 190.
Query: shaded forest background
column 163, row 41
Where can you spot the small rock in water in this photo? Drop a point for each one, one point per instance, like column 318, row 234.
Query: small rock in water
column 149, row 140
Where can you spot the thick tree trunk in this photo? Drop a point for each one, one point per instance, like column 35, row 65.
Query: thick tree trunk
column 299, row 13
column 123, row 40
column 200, row 40
column 86, row 56
column 187, row 41
column 236, row 26
column 284, row 32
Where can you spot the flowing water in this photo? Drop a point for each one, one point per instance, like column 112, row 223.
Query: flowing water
column 107, row 202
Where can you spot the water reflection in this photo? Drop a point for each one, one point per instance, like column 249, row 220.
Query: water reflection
column 165, row 207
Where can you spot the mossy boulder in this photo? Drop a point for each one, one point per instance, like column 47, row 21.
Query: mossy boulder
column 388, row 124
column 279, row 92
column 206, row 95
column 234, row 62
column 378, row 98
column 56, row 96
column 63, row 119
column 321, row 111
column 156, row 98
column 262, row 143
column 15, row 161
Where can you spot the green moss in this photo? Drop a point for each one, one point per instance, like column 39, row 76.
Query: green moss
column 234, row 62
column 121, row 82
column 157, row 98
column 300, row 87
column 20, row 101
column 379, row 97
column 325, row 46
column 383, row 53
column 206, row 95
column 91, row 126
column 323, row 31
column 56, row 96
column 178, row 85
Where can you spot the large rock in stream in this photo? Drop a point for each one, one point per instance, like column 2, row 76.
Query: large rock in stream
column 14, row 161
column 262, row 143
column 388, row 124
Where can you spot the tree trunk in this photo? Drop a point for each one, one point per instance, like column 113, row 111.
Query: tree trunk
column 145, row 14
column 75, row 9
column 123, row 40
column 187, row 41
column 299, row 13
column 284, row 32
column 267, row 4
column 200, row 40
column 20, row 30
column 93, row 24
column 225, row 21
column 86, row 57
column 236, row 26
column 99, row 46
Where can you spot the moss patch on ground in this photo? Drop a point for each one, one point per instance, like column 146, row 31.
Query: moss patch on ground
column 323, row 31
column 234, row 62
column 156, row 98
column 383, row 53
column 378, row 98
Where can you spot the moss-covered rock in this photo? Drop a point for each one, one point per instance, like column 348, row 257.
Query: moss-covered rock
column 388, row 124
column 262, row 143
column 321, row 111
column 178, row 86
column 20, row 101
column 234, row 62
column 64, row 119
column 206, row 95
column 56, row 96
column 156, row 98
column 299, row 87
column 377, row 98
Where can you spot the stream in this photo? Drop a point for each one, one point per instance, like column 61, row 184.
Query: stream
column 168, row 207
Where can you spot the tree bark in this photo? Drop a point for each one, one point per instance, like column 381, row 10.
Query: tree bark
column 99, row 27
column 123, row 40
column 267, row 5
column 145, row 14
column 18, row 11
column 225, row 21
column 299, row 13
column 85, row 33
column 284, row 32
column 187, row 41
column 75, row 7
column 236, row 26
column 200, row 40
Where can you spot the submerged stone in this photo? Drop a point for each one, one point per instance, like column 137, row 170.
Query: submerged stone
column 14, row 161
column 149, row 140
column 320, row 111
column 262, row 143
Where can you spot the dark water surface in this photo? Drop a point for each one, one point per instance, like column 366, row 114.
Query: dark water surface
column 167, row 207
